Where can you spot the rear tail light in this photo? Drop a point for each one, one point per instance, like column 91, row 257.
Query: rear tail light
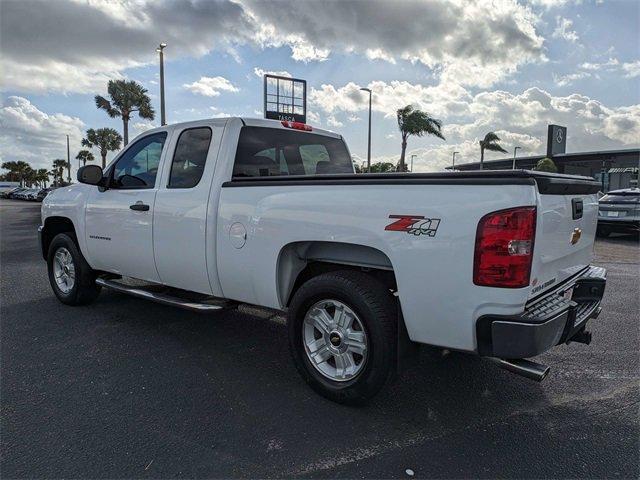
column 504, row 248
column 297, row 125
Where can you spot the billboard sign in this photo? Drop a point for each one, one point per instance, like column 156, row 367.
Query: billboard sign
column 285, row 98
column 556, row 140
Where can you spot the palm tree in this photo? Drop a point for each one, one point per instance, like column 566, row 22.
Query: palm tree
column 105, row 139
column 58, row 170
column 126, row 97
column 17, row 170
column 29, row 176
column 42, row 176
column 85, row 156
column 415, row 122
column 490, row 142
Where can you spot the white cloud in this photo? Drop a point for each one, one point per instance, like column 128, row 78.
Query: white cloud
column 57, row 76
column 612, row 63
column 211, row 86
column 142, row 126
column 259, row 72
column 490, row 38
column 79, row 45
column 313, row 117
column 442, row 99
column 34, row 136
column 565, row 80
column 332, row 121
column 519, row 119
column 549, row 4
column 564, row 30
column 631, row 69
column 624, row 124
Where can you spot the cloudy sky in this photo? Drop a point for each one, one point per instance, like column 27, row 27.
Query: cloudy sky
column 504, row 65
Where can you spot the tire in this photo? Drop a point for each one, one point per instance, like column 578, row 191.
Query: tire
column 80, row 287
column 371, row 311
column 603, row 232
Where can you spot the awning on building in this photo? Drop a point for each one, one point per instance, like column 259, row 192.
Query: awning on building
column 623, row 170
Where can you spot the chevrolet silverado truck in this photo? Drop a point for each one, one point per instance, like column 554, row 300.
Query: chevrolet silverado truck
column 210, row 214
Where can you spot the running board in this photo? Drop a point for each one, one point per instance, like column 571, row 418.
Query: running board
column 163, row 298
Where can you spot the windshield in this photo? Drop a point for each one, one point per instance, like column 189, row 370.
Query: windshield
column 630, row 197
column 264, row 152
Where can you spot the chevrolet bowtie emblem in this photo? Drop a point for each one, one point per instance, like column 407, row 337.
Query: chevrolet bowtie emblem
column 575, row 235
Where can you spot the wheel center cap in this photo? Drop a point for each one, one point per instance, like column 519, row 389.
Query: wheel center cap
column 335, row 338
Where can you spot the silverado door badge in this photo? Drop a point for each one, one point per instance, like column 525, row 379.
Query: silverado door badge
column 414, row 225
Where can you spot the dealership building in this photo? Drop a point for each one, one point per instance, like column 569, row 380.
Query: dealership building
column 612, row 168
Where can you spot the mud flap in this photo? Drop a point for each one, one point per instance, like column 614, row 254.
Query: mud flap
column 407, row 351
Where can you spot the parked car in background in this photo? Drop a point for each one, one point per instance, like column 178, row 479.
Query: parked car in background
column 43, row 193
column 21, row 195
column 619, row 211
column 6, row 187
column 32, row 194
column 9, row 193
column 17, row 192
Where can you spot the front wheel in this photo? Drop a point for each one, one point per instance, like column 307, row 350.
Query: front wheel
column 342, row 335
column 70, row 276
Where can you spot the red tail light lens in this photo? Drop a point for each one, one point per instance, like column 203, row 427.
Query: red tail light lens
column 504, row 248
column 296, row 125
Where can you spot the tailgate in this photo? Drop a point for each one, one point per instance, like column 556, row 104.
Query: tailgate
column 565, row 235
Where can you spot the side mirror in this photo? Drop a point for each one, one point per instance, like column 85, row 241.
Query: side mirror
column 90, row 174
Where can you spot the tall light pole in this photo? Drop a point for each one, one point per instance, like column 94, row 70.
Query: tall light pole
column 369, row 136
column 514, row 157
column 412, row 157
column 68, row 162
column 453, row 163
column 160, row 50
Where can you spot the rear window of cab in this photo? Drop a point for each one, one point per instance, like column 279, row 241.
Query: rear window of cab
column 269, row 152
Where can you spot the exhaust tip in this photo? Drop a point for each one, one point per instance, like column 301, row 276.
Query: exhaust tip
column 525, row 368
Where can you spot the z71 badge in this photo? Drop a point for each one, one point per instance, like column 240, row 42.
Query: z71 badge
column 414, row 225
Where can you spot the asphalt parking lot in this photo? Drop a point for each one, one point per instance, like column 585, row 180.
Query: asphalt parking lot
column 125, row 388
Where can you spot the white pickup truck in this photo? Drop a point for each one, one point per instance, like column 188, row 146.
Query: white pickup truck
column 208, row 214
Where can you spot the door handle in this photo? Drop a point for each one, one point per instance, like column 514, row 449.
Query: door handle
column 139, row 206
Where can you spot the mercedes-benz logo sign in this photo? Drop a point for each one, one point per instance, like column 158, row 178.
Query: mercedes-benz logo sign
column 559, row 135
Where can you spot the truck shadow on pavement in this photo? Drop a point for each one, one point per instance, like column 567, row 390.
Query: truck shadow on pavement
column 219, row 390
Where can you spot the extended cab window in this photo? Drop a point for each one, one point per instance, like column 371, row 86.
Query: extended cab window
column 138, row 166
column 190, row 157
column 264, row 152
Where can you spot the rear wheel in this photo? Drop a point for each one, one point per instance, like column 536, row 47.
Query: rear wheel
column 70, row 276
column 342, row 335
column 603, row 232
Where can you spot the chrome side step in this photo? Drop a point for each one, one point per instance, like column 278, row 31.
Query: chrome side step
column 163, row 298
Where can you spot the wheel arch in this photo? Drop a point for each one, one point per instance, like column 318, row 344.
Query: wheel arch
column 53, row 226
column 300, row 261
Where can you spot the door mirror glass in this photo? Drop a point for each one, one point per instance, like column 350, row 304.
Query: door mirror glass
column 90, row 174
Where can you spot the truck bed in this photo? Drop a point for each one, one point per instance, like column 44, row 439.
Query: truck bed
column 547, row 183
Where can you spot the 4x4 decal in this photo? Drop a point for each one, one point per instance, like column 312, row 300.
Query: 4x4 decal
column 414, row 224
